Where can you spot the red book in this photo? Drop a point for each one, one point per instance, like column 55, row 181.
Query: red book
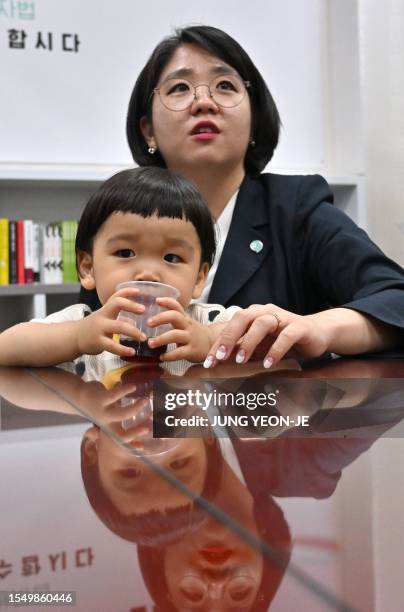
column 20, row 252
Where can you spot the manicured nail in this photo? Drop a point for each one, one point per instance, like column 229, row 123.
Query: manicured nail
column 268, row 362
column 240, row 356
column 221, row 352
column 208, row 361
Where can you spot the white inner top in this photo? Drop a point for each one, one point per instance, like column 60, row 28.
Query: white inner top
column 222, row 226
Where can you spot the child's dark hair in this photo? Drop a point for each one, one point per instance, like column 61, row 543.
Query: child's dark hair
column 148, row 191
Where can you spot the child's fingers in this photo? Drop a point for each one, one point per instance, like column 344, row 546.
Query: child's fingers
column 117, row 349
column 127, row 292
column 131, row 435
column 170, row 303
column 177, row 319
column 114, row 306
column 123, row 328
column 181, row 352
column 113, row 396
column 135, row 416
column 174, row 336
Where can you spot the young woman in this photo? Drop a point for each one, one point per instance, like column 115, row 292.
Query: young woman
column 201, row 108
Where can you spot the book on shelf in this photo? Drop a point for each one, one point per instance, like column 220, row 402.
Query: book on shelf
column 69, row 231
column 4, row 251
column 20, row 252
column 28, row 233
column 32, row 252
column 12, row 250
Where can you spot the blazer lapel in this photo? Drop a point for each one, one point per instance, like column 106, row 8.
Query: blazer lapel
column 239, row 260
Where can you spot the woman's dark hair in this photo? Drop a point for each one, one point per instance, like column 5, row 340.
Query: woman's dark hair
column 265, row 117
column 147, row 192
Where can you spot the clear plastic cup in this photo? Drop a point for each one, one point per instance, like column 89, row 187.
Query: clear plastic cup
column 148, row 292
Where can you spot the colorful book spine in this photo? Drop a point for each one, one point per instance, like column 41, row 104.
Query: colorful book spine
column 28, row 251
column 13, row 252
column 58, row 267
column 48, row 254
column 36, row 252
column 4, row 252
column 32, row 252
column 69, row 229
column 20, row 252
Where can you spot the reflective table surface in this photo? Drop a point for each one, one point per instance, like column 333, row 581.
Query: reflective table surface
column 219, row 490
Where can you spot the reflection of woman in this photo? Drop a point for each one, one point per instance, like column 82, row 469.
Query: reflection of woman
column 213, row 569
column 201, row 108
column 141, row 505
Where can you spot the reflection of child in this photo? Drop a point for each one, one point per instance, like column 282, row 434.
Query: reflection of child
column 132, row 497
column 142, row 224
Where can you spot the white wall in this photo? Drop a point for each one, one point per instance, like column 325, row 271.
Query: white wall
column 61, row 107
column 382, row 74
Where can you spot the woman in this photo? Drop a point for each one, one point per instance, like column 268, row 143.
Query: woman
column 201, row 108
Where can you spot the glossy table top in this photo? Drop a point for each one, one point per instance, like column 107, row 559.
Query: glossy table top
column 274, row 490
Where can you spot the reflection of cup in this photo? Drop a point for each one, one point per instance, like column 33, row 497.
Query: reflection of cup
column 144, row 378
column 148, row 292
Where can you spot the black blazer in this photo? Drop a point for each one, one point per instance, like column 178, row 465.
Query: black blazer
column 313, row 256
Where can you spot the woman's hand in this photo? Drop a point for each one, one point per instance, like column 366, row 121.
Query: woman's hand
column 193, row 339
column 271, row 333
column 95, row 332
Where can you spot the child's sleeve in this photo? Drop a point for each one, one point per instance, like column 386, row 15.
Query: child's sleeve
column 211, row 313
column 76, row 312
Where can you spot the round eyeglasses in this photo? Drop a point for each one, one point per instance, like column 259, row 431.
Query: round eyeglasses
column 235, row 591
column 226, row 90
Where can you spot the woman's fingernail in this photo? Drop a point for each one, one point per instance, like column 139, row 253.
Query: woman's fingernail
column 208, row 361
column 240, row 356
column 268, row 362
column 221, row 352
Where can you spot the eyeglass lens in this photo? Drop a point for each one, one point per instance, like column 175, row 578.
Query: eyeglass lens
column 178, row 94
column 237, row 589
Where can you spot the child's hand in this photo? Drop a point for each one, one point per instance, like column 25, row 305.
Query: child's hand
column 96, row 331
column 193, row 339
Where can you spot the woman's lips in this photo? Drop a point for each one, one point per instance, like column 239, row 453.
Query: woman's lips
column 205, row 130
column 205, row 135
column 216, row 555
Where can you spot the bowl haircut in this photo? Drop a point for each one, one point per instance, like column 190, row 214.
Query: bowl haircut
column 146, row 192
column 155, row 527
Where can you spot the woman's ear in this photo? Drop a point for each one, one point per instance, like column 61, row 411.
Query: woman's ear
column 200, row 281
column 147, row 131
column 85, row 270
